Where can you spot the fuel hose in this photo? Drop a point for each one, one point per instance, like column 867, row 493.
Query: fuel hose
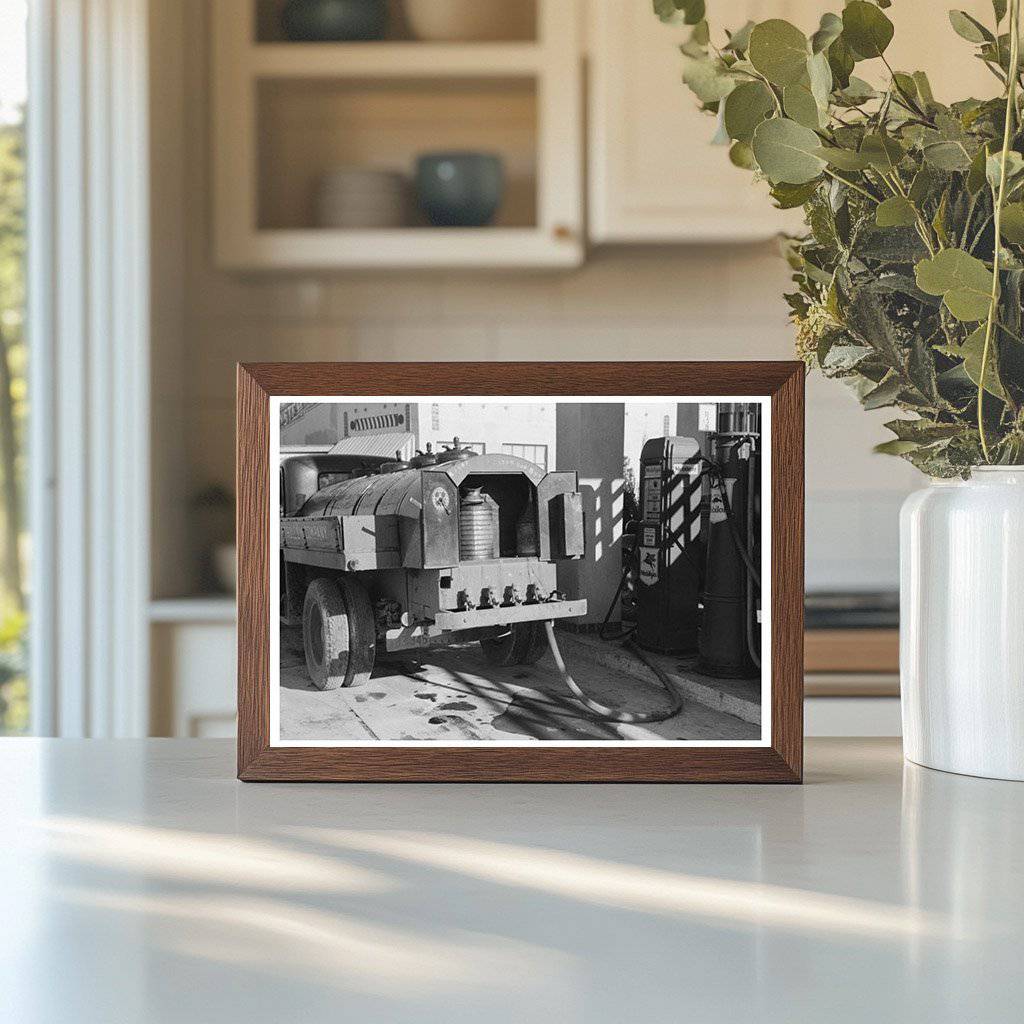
column 602, row 710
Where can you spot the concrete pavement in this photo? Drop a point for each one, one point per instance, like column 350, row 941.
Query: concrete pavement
column 453, row 693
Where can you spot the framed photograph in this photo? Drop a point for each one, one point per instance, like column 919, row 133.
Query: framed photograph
column 578, row 572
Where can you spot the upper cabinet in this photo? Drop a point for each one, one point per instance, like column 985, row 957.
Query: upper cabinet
column 316, row 143
column 654, row 175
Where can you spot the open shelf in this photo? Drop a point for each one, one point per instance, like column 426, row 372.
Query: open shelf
column 406, row 248
column 392, row 60
column 308, row 127
column 520, row 23
column 286, row 114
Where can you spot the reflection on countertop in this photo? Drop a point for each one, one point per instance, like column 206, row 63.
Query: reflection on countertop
column 144, row 883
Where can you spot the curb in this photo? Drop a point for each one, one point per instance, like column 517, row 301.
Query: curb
column 720, row 695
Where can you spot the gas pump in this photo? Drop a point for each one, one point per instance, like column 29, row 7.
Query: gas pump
column 695, row 557
column 669, row 547
column 730, row 634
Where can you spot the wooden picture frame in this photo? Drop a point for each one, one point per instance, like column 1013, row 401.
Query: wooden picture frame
column 778, row 760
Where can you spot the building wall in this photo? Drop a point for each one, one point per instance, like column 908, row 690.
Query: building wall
column 714, row 302
column 490, row 426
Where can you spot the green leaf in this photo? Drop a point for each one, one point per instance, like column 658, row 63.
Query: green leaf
column 971, row 351
column 707, row 78
column 693, row 10
column 939, row 220
column 924, row 88
column 883, row 152
column 779, row 51
column 993, row 167
column 801, row 106
column 895, row 447
column 890, row 245
column 745, row 108
column 921, row 371
column 829, row 30
column 819, row 74
column 923, row 431
column 866, row 29
column 963, row 281
column 947, row 156
column 922, row 185
column 666, row 10
column 689, row 12
column 701, row 34
column 739, row 41
column 856, row 92
column 787, row 151
column 844, row 159
column 885, row 394
column 741, row 155
column 976, row 173
column 841, row 63
column 905, row 84
column 788, row 196
column 895, row 212
column 999, row 9
column 868, row 318
column 969, row 28
column 1012, row 224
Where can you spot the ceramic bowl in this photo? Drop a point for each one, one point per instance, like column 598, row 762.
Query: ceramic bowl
column 332, row 21
column 359, row 197
column 470, row 20
column 460, row 189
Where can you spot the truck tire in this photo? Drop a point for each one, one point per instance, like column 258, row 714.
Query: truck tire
column 338, row 633
column 523, row 644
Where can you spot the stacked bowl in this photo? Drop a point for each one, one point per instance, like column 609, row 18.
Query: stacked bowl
column 362, row 197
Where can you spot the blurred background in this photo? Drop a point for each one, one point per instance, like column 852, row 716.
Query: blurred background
column 206, row 183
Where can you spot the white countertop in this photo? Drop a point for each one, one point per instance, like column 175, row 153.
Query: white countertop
column 140, row 882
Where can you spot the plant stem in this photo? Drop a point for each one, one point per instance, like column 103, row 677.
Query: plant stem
column 910, row 102
column 1011, row 108
column 894, row 183
column 980, row 232
column 853, row 185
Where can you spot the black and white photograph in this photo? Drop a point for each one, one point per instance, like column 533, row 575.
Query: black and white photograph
column 512, row 570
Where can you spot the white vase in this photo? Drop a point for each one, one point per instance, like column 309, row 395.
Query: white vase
column 962, row 624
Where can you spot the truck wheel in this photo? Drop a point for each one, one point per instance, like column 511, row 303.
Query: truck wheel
column 523, row 644
column 338, row 633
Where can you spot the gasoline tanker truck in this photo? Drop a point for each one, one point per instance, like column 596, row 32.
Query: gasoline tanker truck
column 380, row 556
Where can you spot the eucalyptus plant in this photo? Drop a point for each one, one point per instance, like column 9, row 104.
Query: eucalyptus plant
column 910, row 277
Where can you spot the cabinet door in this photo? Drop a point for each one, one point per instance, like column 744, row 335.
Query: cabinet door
column 653, row 174
column 654, row 177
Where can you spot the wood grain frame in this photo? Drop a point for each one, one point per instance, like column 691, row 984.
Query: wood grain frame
column 782, row 761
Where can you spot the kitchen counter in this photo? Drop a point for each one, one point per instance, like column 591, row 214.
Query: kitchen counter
column 140, row 882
